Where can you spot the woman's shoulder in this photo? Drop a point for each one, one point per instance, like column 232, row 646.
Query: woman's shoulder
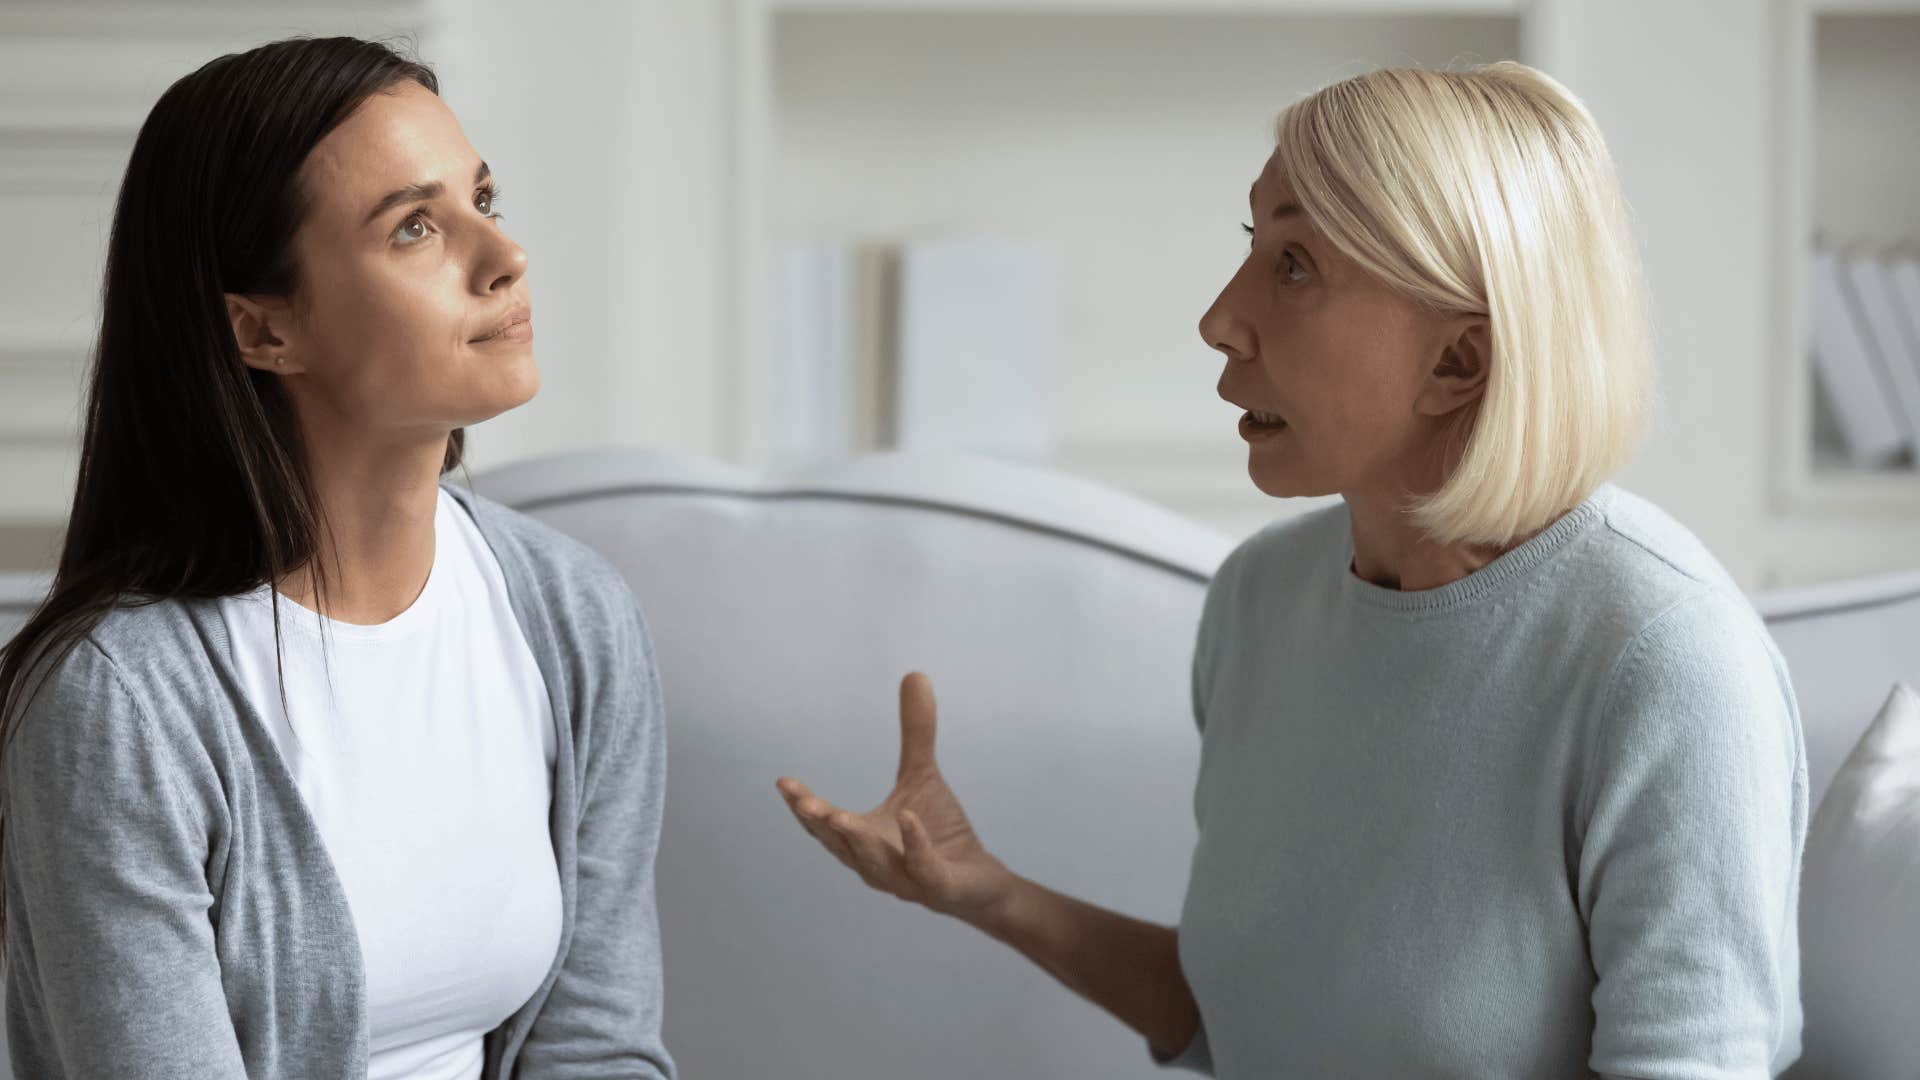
column 138, row 682
column 1677, row 613
column 1646, row 540
column 1641, row 569
column 149, row 645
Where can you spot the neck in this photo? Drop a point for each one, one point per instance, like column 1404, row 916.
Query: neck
column 1392, row 551
column 377, row 501
column 1389, row 547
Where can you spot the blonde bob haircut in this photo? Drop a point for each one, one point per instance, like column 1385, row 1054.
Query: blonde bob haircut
column 1489, row 191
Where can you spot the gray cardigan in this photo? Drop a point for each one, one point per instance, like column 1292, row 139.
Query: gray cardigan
column 172, row 912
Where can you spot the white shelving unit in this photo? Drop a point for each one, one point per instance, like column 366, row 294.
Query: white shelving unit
column 889, row 121
column 1122, row 133
column 1847, row 137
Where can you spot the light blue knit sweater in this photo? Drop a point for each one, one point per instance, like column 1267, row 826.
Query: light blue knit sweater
column 1543, row 821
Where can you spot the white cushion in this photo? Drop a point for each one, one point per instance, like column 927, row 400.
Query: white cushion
column 1860, row 907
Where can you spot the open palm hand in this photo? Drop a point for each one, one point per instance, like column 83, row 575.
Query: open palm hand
column 917, row 844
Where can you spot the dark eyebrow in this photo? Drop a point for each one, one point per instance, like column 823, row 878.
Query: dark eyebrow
column 1283, row 210
column 413, row 193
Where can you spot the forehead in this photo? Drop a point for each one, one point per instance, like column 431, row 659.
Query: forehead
column 403, row 135
column 1271, row 188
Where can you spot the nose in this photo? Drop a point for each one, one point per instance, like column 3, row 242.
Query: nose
column 1222, row 327
column 502, row 263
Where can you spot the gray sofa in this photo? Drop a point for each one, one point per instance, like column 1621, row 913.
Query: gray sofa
column 1056, row 620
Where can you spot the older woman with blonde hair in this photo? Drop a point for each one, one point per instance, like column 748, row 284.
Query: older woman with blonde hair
column 1500, row 775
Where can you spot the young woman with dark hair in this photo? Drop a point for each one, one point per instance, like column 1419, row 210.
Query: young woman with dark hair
column 311, row 765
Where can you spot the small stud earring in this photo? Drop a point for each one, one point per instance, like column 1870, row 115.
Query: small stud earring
column 279, row 359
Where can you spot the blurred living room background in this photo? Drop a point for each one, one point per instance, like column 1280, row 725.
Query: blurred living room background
column 779, row 232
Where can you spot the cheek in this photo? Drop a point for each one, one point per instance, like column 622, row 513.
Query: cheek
column 1348, row 394
column 389, row 336
column 1321, row 377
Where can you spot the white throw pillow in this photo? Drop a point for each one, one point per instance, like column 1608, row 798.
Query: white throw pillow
column 1860, row 907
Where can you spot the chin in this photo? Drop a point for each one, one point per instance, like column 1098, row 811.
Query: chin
column 529, row 384
column 498, row 397
column 517, row 387
column 1274, row 486
column 1284, row 483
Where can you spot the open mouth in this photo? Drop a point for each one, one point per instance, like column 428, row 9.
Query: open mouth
column 1256, row 424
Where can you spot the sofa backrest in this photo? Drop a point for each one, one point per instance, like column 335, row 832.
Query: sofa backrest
column 1056, row 620
column 1846, row 644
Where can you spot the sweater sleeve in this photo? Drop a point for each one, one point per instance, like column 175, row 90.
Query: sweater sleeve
column 1695, row 821
column 111, row 968
column 1198, row 1055
column 604, row 1014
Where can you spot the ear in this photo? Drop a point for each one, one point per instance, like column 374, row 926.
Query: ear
column 1459, row 377
column 260, row 329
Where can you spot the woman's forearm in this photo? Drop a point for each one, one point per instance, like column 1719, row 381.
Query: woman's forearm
column 1128, row 967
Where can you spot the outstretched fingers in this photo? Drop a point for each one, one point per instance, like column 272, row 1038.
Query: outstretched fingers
column 880, row 862
column 813, row 812
column 917, row 725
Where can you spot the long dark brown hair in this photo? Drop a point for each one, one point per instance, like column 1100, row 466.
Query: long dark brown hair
column 194, row 480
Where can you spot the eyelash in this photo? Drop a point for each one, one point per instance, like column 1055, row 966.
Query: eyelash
column 492, row 192
column 1283, row 254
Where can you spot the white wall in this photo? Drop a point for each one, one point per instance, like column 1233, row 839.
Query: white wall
column 1690, row 113
column 606, row 124
column 1867, row 147
column 608, row 127
column 623, row 137
column 1125, row 144
column 76, row 81
column 1684, row 118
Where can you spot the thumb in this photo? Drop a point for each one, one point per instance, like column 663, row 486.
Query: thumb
column 923, row 864
column 917, row 723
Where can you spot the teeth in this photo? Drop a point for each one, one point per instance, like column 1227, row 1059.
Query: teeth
column 1263, row 417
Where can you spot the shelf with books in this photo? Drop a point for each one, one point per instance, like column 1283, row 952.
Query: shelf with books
column 1848, row 266
column 1094, row 154
column 1864, row 319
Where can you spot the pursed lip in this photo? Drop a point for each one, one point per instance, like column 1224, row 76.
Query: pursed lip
column 514, row 317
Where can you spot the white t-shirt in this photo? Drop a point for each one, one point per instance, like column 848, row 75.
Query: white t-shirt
column 428, row 769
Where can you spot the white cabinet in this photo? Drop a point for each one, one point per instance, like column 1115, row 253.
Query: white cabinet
column 1849, row 180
